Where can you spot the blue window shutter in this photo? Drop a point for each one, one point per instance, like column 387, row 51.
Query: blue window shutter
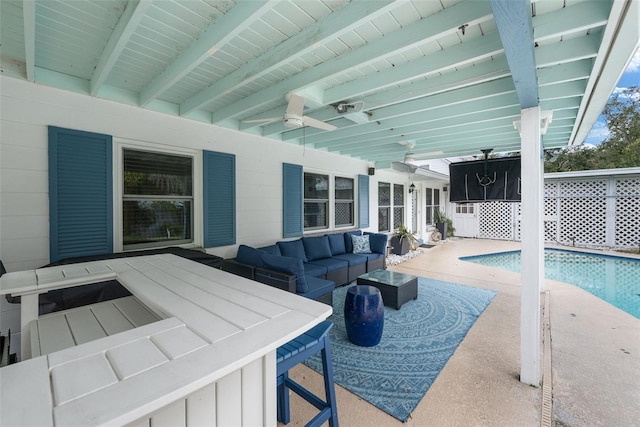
column 80, row 193
column 219, row 199
column 292, row 202
column 363, row 201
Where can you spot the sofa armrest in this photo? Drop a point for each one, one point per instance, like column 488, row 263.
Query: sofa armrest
column 276, row 279
column 238, row 268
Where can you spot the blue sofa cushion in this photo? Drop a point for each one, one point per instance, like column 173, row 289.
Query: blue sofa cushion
column 336, row 243
column 293, row 249
column 315, row 270
column 361, row 244
column 272, row 249
column 353, row 259
column 316, row 247
column 332, row 264
column 251, row 256
column 318, row 287
column 378, row 243
column 348, row 243
column 290, row 266
column 371, row 256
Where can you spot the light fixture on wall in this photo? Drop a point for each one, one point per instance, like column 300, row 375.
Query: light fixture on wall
column 412, row 188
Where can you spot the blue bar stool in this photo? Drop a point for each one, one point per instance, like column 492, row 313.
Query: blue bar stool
column 295, row 351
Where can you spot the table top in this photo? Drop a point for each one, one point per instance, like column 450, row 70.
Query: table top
column 387, row 277
column 214, row 323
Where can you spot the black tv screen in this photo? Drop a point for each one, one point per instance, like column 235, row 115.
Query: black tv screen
column 485, row 180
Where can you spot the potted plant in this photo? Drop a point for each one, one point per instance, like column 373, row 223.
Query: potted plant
column 443, row 224
column 403, row 240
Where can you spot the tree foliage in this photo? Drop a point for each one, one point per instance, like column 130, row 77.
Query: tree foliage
column 620, row 150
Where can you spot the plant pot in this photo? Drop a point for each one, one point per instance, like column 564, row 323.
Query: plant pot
column 399, row 246
column 442, row 228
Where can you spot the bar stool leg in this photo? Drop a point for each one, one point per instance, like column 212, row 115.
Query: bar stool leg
column 329, row 389
column 283, row 399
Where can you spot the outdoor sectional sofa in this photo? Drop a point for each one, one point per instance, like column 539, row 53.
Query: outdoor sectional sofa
column 311, row 266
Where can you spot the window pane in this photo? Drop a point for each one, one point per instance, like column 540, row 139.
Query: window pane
column 384, row 194
column 157, row 174
column 152, row 221
column 429, row 197
column 429, row 216
column 383, row 219
column 398, row 195
column 344, row 205
column 315, row 215
column 344, row 188
column 436, row 196
column 316, row 186
column 398, row 216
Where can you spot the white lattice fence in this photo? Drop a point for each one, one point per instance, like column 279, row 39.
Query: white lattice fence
column 496, row 221
column 594, row 212
column 583, row 212
column 627, row 212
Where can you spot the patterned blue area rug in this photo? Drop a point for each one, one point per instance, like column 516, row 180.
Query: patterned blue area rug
column 417, row 342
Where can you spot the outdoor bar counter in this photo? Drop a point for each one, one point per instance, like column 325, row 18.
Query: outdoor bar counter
column 209, row 360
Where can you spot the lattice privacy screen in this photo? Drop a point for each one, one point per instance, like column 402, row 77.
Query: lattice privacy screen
column 596, row 212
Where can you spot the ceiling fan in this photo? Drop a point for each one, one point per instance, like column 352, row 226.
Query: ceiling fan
column 293, row 116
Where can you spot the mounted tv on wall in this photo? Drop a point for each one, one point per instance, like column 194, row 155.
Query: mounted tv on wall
column 485, row 180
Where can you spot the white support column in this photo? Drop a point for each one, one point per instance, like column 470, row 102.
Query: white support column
column 532, row 264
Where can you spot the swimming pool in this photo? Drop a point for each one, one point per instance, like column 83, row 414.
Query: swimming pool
column 610, row 278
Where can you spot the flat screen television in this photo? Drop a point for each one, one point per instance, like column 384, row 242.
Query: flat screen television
column 485, row 180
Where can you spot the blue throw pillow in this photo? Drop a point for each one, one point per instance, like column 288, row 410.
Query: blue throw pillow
column 336, row 243
column 378, row 243
column 248, row 255
column 361, row 244
column 288, row 265
column 316, row 247
column 293, row 249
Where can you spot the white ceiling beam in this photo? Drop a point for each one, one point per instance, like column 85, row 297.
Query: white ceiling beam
column 29, row 28
column 567, row 51
column 126, row 26
column 581, row 17
column 478, row 96
column 422, row 131
column 343, row 20
column 560, row 73
column 393, row 43
column 455, row 56
column 482, row 72
column 216, row 35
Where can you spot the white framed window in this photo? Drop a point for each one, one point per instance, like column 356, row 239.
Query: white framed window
column 157, row 196
column 329, row 201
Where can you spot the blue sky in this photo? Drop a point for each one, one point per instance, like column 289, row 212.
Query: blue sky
column 630, row 77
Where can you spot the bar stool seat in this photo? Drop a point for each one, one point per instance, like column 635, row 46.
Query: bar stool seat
column 296, row 351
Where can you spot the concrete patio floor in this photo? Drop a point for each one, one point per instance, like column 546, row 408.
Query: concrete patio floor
column 595, row 357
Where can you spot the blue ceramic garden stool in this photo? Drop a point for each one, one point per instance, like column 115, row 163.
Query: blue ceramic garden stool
column 364, row 315
column 298, row 350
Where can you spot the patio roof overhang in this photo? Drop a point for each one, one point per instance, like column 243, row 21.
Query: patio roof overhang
column 450, row 77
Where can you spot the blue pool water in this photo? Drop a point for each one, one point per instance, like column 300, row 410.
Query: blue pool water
column 610, row 278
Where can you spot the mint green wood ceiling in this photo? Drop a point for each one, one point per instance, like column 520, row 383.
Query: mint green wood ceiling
column 434, row 73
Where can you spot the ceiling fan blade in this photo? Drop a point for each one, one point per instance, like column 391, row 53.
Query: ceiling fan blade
column 295, row 106
column 318, row 124
column 270, row 119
